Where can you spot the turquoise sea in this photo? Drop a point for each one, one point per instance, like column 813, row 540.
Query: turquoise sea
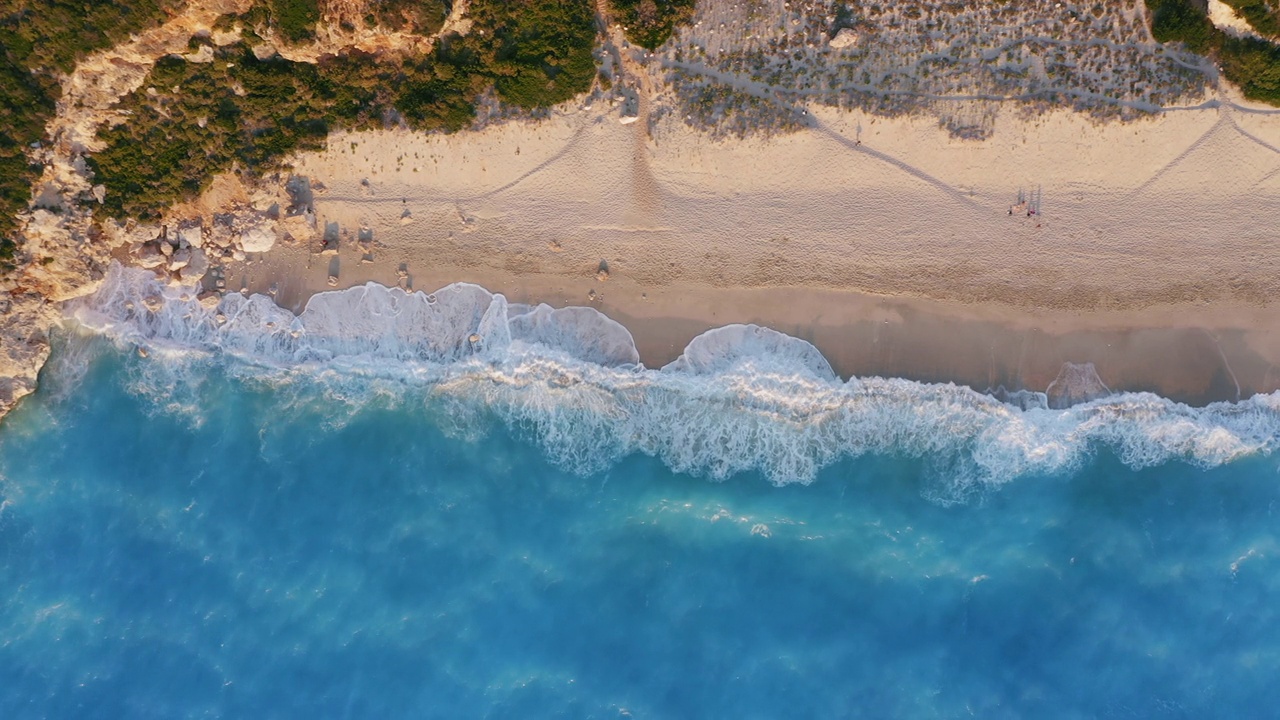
column 358, row 514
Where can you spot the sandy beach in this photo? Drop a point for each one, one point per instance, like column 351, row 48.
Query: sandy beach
column 896, row 249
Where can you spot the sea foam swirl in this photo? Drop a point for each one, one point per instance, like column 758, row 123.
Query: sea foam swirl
column 739, row 398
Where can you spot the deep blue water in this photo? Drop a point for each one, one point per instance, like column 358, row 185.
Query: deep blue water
column 236, row 549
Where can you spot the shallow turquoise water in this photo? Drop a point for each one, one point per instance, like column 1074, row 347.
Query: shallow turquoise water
column 233, row 548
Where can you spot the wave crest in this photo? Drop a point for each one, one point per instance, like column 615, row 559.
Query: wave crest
column 740, row 398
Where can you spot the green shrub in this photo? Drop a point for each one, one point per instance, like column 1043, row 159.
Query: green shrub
column 537, row 53
column 1254, row 65
column 39, row 40
column 424, row 17
column 295, row 20
column 534, row 53
column 1263, row 16
column 176, row 141
column 649, row 23
column 1182, row 21
column 49, row 35
column 1251, row 63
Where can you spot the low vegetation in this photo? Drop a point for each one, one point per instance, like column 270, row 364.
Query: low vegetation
column 39, row 41
column 295, row 20
column 649, row 23
column 175, row 140
column 184, row 126
column 964, row 63
column 1251, row 63
column 424, row 17
column 25, row 103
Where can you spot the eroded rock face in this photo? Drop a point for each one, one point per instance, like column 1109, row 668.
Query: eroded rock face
column 59, row 259
column 24, row 343
column 57, row 262
column 60, row 255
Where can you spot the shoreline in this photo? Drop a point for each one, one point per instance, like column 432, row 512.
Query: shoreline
column 1190, row 355
column 897, row 254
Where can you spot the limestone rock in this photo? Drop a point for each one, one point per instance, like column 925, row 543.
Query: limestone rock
column 24, row 344
column 192, row 235
column 264, row 51
column 148, row 255
column 209, row 300
column 196, row 268
column 203, row 55
column 258, row 238
column 299, row 227
column 843, row 39
column 221, row 234
column 180, row 259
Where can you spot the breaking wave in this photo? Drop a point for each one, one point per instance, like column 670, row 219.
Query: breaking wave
column 739, row 398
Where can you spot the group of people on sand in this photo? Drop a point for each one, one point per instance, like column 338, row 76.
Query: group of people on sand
column 1027, row 201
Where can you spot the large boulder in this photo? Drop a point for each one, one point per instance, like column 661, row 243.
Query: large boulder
column 196, row 268
column 181, row 258
column 148, row 255
column 301, row 228
column 192, row 235
column 258, row 238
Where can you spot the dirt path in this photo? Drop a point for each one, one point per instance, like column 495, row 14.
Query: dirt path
column 646, row 193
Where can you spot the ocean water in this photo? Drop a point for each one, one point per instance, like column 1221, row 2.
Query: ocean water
column 410, row 506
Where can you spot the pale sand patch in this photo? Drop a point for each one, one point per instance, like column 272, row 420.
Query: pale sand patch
column 1165, row 223
column 1227, row 20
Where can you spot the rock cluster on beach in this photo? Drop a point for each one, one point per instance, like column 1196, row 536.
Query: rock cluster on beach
column 65, row 257
column 184, row 252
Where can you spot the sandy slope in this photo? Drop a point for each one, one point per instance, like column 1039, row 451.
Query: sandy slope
column 1172, row 209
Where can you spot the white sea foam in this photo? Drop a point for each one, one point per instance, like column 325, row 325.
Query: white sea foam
column 740, row 398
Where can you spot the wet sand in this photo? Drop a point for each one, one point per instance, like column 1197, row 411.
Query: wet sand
column 1190, row 354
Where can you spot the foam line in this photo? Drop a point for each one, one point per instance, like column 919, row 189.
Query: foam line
column 739, row 398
